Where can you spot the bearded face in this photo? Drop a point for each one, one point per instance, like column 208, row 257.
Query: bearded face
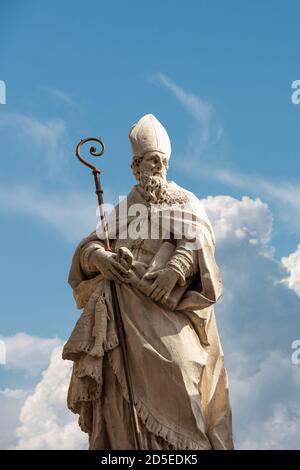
column 152, row 176
column 151, row 172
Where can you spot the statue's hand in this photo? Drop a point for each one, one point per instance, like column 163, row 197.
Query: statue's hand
column 165, row 281
column 107, row 263
column 125, row 257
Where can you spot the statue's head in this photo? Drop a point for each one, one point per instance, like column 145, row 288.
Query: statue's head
column 151, row 148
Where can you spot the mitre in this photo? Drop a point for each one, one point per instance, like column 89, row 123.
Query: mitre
column 148, row 134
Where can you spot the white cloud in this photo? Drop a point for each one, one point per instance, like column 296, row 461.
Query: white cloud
column 258, row 319
column 26, row 357
column 38, row 418
column 46, row 423
column 47, row 139
column 287, row 192
column 205, row 157
column 284, row 195
column 28, row 353
column 11, row 402
column 266, row 405
column 13, row 393
column 59, row 95
column 206, row 134
column 292, row 265
column 198, row 108
column 233, row 219
column 72, row 214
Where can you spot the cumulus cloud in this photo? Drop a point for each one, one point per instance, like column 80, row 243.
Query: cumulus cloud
column 28, row 353
column 46, row 423
column 247, row 219
column 266, row 410
column 284, row 195
column 11, row 402
column 38, row 418
column 258, row 320
column 292, row 265
column 256, row 303
column 26, row 356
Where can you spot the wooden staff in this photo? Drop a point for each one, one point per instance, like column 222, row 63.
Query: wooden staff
column 115, row 301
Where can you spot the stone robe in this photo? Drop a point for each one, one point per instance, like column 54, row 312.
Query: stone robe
column 176, row 360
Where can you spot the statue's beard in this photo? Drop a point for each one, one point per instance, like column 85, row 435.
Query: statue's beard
column 156, row 190
column 154, row 187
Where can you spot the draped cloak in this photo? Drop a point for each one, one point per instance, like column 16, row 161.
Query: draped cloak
column 175, row 356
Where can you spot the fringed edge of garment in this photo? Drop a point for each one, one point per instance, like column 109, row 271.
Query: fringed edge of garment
column 171, row 437
column 73, row 351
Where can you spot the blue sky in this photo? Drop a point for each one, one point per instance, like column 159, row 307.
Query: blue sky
column 218, row 74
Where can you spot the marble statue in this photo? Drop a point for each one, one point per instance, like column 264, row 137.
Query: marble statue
column 167, row 283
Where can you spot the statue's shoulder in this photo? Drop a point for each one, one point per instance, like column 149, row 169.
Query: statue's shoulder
column 195, row 205
column 130, row 198
column 135, row 196
column 178, row 188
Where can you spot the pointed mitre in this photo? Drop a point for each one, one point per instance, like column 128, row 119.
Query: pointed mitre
column 148, row 134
